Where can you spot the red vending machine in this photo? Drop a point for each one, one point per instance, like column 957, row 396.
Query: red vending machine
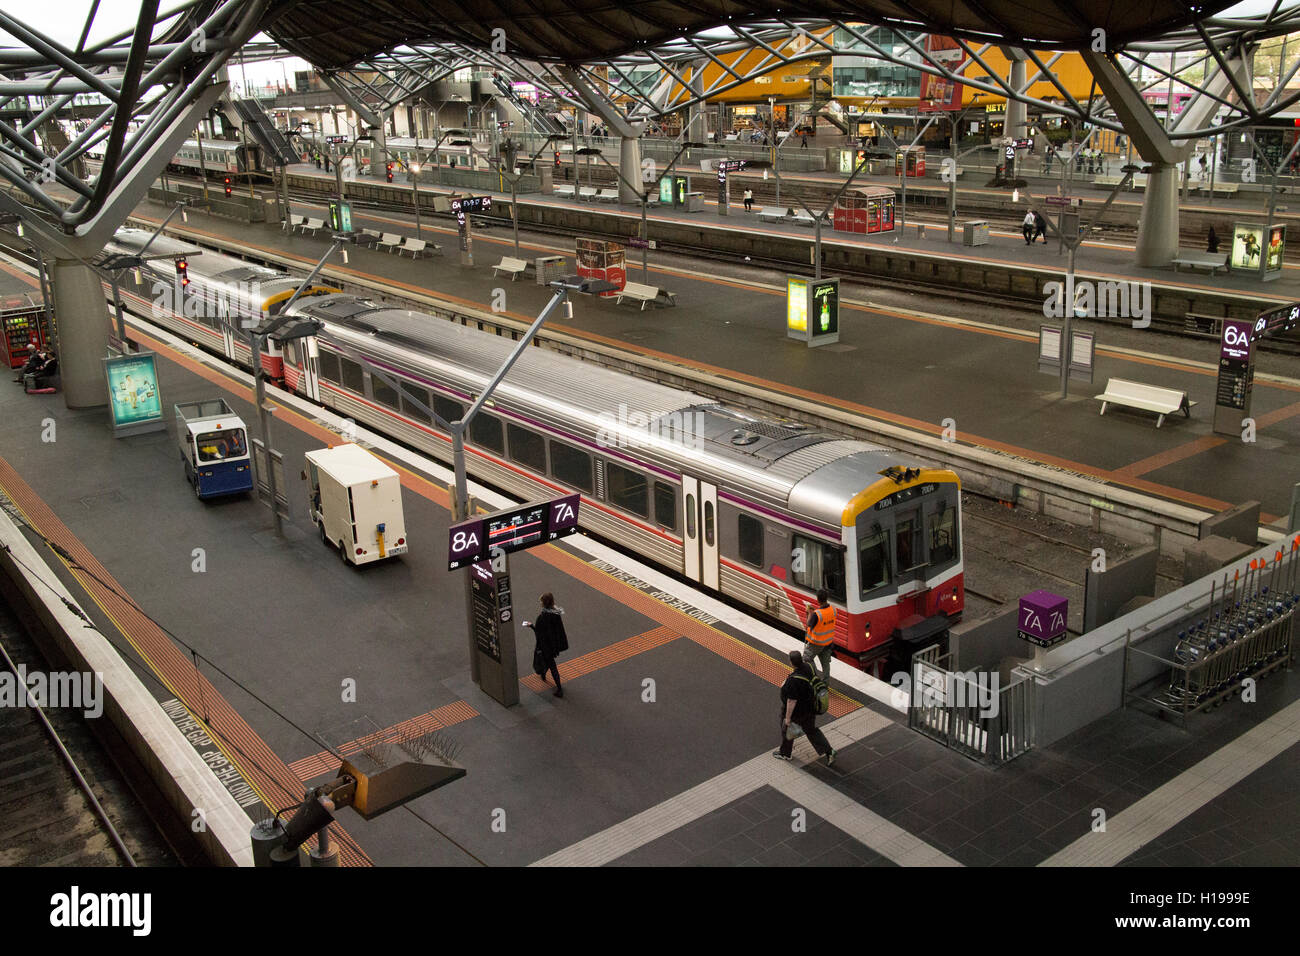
column 602, row 259
column 23, row 321
column 865, row 209
column 910, row 161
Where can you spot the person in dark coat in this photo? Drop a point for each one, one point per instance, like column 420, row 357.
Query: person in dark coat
column 1212, row 241
column 551, row 640
column 797, row 708
column 1040, row 226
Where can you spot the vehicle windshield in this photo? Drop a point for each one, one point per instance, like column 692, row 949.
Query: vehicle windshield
column 222, row 445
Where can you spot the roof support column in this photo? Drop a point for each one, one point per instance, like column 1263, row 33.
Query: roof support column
column 698, row 128
column 1157, row 241
column 1016, row 124
column 81, row 333
column 629, row 153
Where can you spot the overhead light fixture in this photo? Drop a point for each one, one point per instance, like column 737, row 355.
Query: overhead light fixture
column 185, row 216
column 1015, row 195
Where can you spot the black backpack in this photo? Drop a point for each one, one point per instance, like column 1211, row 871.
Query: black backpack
column 821, row 691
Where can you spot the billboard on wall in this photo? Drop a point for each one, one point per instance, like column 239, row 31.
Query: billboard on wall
column 939, row 93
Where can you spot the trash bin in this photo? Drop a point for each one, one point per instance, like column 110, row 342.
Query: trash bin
column 975, row 233
column 695, row 202
column 549, row 268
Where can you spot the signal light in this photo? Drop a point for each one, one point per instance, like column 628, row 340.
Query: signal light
column 182, row 270
column 390, row 172
column 228, row 190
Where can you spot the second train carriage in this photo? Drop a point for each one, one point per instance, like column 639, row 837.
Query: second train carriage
column 763, row 510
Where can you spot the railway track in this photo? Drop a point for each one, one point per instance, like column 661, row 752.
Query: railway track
column 1030, row 304
column 64, row 801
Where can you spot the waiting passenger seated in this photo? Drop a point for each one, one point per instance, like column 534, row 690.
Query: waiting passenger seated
column 39, row 371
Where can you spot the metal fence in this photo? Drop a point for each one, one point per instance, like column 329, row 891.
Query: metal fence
column 965, row 714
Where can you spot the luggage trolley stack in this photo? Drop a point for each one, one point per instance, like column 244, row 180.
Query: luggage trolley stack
column 1246, row 633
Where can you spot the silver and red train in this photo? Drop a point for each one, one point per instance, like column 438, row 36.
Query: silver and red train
column 763, row 510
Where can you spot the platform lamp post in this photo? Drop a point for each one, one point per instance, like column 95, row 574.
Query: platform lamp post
column 818, row 217
column 643, row 194
column 515, row 174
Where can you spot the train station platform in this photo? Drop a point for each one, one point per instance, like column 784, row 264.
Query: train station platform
column 660, row 751
column 914, row 362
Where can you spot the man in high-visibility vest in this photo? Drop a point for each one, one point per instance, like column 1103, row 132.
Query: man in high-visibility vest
column 820, row 639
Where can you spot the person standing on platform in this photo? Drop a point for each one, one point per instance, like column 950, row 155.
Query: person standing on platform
column 820, row 639
column 1212, row 240
column 1201, row 162
column 749, row 200
column 1027, row 227
column 551, row 640
column 797, row 708
column 1040, row 226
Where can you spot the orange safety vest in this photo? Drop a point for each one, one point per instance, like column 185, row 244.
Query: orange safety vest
column 823, row 632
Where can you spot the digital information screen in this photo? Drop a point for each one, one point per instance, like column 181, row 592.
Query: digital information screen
column 1276, row 321
column 516, row 529
column 484, row 601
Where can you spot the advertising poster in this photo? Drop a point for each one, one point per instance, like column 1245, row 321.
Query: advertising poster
column 133, row 391
column 826, row 307
column 939, row 93
column 1276, row 246
column 1247, row 245
column 796, row 305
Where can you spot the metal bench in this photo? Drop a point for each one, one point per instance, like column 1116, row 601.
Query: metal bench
column 417, row 248
column 587, row 192
column 1162, row 401
column 645, row 294
column 368, row 239
column 802, row 218
column 512, row 266
column 389, row 241
column 564, row 190
column 607, row 195
column 771, row 215
column 315, row 225
column 1214, row 261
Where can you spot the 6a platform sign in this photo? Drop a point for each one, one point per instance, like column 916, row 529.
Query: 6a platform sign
column 515, row 529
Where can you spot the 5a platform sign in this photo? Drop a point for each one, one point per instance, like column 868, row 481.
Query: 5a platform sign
column 515, row 529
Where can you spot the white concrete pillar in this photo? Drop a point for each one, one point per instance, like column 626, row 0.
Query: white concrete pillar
column 81, row 333
column 629, row 164
column 1157, row 242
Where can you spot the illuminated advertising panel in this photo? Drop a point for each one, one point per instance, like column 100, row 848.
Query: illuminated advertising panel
column 133, row 396
column 796, row 306
column 1247, row 246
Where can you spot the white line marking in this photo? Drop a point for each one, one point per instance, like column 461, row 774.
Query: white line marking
column 1165, row 807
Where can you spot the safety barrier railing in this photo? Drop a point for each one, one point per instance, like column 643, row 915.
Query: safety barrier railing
column 1244, row 633
column 970, row 715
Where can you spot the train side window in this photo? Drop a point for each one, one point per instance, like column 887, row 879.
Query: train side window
column 328, row 364
column 351, row 377
column 943, row 535
column 527, row 448
column 571, row 465
column 626, row 489
column 750, row 534
column 665, row 505
column 486, row 431
column 448, row 409
column 873, row 561
column 690, row 516
column 291, row 352
column 409, row 408
column 822, row 566
column 383, row 393
column 708, row 523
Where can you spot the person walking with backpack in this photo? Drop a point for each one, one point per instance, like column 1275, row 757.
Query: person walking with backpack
column 820, row 639
column 551, row 640
column 799, row 708
column 1040, row 226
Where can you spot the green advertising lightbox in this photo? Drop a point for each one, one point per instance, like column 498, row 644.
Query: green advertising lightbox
column 133, row 395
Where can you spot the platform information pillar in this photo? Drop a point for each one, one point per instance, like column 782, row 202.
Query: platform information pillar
column 1236, row 377
column 493, row 628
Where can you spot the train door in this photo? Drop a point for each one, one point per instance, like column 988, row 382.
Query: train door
column 310, row 355
column 700, row 538
column 909, row 550
column 227, row 335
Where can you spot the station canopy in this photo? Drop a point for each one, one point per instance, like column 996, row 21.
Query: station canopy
column 333, row 35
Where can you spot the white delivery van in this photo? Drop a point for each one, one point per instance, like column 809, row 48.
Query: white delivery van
column 356, row 501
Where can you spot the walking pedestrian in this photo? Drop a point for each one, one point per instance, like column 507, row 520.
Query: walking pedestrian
column 749, row 200
column 797, row 708
column 1212, row 241
column 1027, row 227
column 551, row 640
column 1040, row 226
column 804, row 142
column 820, row 639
